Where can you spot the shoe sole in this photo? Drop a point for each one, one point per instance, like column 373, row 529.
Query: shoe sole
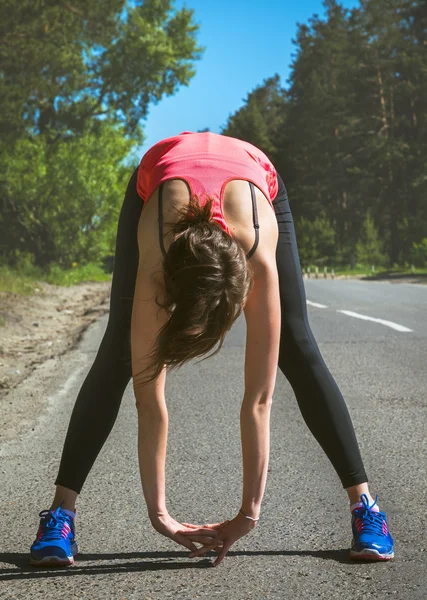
column 55, row 561
column 370, row 555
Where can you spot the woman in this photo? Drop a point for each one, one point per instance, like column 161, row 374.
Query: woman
column 224, row 244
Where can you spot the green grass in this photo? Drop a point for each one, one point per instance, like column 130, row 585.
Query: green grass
column 17, row 282
column 397, row 271
column 79, row 274
column 359, row 270
column 2, row 322
column 26, row 279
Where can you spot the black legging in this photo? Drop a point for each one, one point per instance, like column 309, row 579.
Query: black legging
column 100, row 396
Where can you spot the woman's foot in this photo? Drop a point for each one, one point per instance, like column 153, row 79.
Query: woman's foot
column 55, row 544
column 371, row 538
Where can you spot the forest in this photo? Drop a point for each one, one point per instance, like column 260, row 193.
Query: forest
column 347, row 131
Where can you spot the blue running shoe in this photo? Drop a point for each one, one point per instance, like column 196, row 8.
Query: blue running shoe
column 371, row 538
column 54, row 545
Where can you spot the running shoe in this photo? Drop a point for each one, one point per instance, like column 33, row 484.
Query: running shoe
column 371, row 537
column 54, row 545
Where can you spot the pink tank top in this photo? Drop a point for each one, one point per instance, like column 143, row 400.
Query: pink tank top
column 207, row 162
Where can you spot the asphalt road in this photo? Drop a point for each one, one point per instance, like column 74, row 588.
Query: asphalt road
column 299, row 549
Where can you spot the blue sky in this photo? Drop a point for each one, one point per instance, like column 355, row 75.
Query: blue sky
column 246, row 41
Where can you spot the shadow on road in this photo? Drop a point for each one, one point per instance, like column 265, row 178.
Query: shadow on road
column 145, row 561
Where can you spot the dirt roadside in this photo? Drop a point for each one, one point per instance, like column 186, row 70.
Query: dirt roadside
column 45, row 325
column 39, row 331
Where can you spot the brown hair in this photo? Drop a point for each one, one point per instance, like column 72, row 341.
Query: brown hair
column 207, row 282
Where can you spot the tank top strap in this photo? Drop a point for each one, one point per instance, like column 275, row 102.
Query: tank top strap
column 255, row 221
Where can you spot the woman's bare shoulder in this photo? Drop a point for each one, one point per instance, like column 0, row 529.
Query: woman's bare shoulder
column 238, row 213
column 175, row 196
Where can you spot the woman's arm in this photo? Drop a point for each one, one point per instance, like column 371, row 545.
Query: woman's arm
column 147, row 319
column 262, row 312
column 152, row 440
column 263, row 319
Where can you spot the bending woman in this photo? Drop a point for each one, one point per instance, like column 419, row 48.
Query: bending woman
column 215, row 238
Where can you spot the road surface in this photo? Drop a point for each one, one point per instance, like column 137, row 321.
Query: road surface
column 299, row 549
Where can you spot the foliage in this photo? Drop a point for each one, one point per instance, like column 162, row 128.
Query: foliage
column 260, row 119
column 420, row 253
column 349, row 134
column 316, row 241
column 61, row 204
column 76, row 81
column 369, row 248
column 65, row 64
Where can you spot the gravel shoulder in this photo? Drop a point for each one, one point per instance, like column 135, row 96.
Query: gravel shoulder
column 37, row 329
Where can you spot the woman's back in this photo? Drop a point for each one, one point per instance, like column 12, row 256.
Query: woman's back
column 192, row 163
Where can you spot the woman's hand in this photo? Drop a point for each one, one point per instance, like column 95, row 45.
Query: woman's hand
column 184, row 534
column 227, row 532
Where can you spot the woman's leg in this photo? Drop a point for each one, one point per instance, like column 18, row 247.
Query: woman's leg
column 100, row 396
column 319, row 399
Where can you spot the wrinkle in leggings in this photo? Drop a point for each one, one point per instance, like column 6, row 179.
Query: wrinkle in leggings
column 98, row 401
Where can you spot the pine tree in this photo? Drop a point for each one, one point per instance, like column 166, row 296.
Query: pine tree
column 351, row 133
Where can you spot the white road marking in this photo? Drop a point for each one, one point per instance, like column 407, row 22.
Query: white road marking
column 395, row 326
column 350, row 313
column 316, row 304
